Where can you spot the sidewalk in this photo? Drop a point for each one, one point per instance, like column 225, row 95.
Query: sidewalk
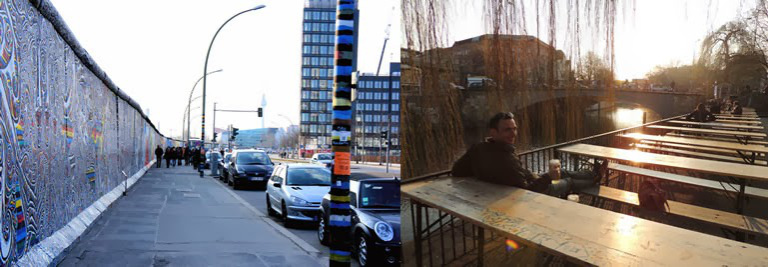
column 172, row 217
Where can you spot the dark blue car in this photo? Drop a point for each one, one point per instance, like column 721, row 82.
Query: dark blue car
column 375, row 208
column 249, row 167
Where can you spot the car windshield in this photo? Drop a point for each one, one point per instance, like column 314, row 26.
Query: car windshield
column 380, row 195
column 308, row 176
column 323, row 156
column 252, row 158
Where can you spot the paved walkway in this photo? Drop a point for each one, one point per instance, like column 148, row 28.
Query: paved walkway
column 172, row 217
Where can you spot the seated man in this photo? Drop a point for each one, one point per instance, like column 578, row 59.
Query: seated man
column 565, row 182
column 737, row 110
column 700, row 114
column 495, row 161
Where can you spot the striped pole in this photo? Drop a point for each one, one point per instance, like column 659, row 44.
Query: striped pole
column 339, row 219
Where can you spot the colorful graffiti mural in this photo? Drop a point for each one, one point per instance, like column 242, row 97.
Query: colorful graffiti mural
column 65, row 136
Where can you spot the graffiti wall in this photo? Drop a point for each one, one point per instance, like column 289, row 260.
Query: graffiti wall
column 65, row 136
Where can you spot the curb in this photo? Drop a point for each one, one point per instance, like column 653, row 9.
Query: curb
column 51, row 250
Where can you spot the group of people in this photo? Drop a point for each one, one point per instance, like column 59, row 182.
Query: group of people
column 178, row 156
column 716, row 106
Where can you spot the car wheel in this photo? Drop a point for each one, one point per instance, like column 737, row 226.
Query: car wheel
column 270, row 211
column 286, row 222
column 322, row 231
column 362, row 250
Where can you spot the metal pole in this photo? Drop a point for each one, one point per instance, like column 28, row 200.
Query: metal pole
column 189, row 102
column 339, row 219
column 205, row 76
column 214, row 122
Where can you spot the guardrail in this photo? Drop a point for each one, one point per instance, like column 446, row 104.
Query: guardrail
column 444, row 239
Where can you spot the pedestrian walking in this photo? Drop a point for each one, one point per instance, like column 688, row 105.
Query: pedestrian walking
column 167, row 157
column 195, row 158
column 159, row 156
column 179, row 156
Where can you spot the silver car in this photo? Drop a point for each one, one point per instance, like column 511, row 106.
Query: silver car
column 294, row 192
column 325, row 159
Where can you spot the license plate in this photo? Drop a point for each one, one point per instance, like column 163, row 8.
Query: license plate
column 257, row 178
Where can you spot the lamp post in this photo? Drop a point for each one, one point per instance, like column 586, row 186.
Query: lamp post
column 205, row 67
column 190, row 101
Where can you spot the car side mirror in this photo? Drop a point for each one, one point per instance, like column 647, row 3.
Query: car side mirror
column 278, row 185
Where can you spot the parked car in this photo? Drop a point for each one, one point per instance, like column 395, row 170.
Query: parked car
column 375, row 209
column 207, row 164
column 325, row 159
column 224, row 165
column 249, row 166
column 295, row 191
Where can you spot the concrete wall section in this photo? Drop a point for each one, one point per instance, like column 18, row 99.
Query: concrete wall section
column 66, row 134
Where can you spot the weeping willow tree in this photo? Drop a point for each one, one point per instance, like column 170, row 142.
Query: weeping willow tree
column 519, row 54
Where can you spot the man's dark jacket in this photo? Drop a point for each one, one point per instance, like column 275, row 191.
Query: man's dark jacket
column 159, row 152
column 496, row 162
column 700, row 116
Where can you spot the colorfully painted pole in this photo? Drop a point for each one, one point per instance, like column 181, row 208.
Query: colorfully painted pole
column 339, row 219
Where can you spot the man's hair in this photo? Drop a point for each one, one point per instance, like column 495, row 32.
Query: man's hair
column 494, row 123
column 553, row 162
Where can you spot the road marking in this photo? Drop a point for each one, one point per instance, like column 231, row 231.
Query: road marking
column 295, row 239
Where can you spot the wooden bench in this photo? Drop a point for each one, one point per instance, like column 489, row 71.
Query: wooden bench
column 724, row 139
column 697, row 154
column 720, row 218
column 750, row 135
column 709, row 184
column 583, row 234
column 691, row 147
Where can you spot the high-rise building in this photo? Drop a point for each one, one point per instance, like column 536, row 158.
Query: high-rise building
column 376, row 110
column 317, row 72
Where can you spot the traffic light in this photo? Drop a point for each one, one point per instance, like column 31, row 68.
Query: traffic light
column 234, row 132
column 214, row 136
column 260, row 112
column 383, row 134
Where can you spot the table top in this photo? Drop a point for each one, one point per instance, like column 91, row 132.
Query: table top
column 698, row 142
column 584, row 233
column 708, row 131
column 715, row 124
column 737, row 121
column 738, row 170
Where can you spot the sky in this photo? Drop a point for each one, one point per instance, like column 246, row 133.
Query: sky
column 155, row 51
column 648, row 33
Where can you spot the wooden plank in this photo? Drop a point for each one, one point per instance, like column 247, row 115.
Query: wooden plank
column 709, row 131
column 738, row 121
column 750, row 191
column 737, row 118
column 697, row 154
column 582, row 233
column 698, row 142
column 691, row 147
column 713, row 138
column 723, row 125
column 721, row 218
column 752, row 172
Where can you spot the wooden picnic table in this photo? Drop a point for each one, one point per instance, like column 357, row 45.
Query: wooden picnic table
column 741, row 149
column 737, row 118
column 741, row 171
column 742, row 136
column 721, row 125
column 738, row 121
column 584, row 234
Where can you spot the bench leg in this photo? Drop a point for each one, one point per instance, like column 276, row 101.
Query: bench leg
column 417, row 234
column 740, row 205
column 480, row 245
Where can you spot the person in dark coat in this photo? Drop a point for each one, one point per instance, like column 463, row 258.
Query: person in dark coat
column 700, row 115
column 195, row 158
column 159, row 156
column 167, row 157
column 495, row 160
column 736, row 108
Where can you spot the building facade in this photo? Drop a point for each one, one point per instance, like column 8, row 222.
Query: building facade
column 317, row 72
column 377, row 109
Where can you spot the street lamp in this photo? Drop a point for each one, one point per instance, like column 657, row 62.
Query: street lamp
column 190, row 101
column 205, row 67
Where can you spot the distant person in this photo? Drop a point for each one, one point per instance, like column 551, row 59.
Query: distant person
column 168, row 157
column 565, row 182
column 159, row 156
column 495, row 161
column 195, row 158
column 179, row 155
column 736, row 108
column 700, row 114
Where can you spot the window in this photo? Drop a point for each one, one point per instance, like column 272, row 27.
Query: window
column 304, row 129
column 395, row 96
column 368, row 106
column 377, row 96
column 304, row 94
column 395, row 118
column 304, row 105
column 307, row 26
column 377, row 107
column 307, row 38
column 395, row 107
column 328, row 129
column 368, row 118
column 313, row 117
column 307, row 49
column 377, row 84
column 330, row 106
column 307, row 14
column 316, row 15
column 305, row 83
column 315, row 27
column 394, row 129
column 313, row 106
column 304, row 117
column 306, row 61
column 329, row 95
column 315, row 49
column 313, row 128
column 384, row 96
column 323, row 72
column 395, row 84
